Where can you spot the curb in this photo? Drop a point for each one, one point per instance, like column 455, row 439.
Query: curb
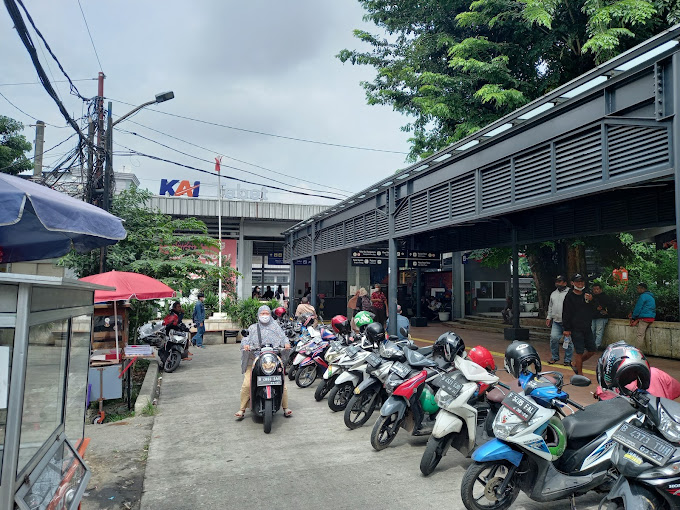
column 148, row 389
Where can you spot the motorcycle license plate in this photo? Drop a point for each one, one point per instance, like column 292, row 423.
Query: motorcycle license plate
column 649, row 446
column 352, row 350
column 400, row 369
column 374, row 360
column 520, row 406
column 268, row 380
column 450, row 385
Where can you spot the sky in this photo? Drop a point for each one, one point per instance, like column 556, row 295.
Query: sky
column 259, row 65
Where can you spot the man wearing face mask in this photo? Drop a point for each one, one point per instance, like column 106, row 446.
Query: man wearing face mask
column 269, row 332
column 577, row 314
column 554, row 321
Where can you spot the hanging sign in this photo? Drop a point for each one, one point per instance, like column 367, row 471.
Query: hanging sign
column 176, row 188
column 275, row 258
column 303, row 262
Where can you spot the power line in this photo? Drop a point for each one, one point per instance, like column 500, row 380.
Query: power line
column 208, row 161
column 157, row 158
column 348, row 193
column 28, row 114
column 88, row 33
column 40, row 83
column 44, row 152
column 305, row 140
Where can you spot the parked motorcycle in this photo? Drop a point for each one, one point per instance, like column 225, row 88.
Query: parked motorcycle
column 266, row 384
column 311, row 363
column 172, row 346
column 333, row 355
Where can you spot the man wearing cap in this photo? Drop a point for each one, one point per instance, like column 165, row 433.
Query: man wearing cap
column 644, row 313
column 577, row 315
column 199, row 320
column 554, row 318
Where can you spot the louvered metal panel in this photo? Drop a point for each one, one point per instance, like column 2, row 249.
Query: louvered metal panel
column 349, row 232
column 369, row 220
column 543, row 226
column 614, row 214
column 401, row 219
column 419, row 210
column 634, row 148
column 532, row 174
column 578, row 160
column 440, row 204
column 496, row 188
column 463, row 196
column 585, row 217
column 382, row 224
column 643, row 211
column 359, row 230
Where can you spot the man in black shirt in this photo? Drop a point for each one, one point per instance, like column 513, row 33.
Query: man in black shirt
column 577, row 316
column 269, row 294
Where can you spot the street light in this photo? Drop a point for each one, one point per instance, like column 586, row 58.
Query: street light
column 160, row 98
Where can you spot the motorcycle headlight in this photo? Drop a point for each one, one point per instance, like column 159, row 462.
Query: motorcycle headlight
column 268, row 363
column 506, row 424
column 332, row 356
column 443, row 399
column 391, row 384
column 668, row 426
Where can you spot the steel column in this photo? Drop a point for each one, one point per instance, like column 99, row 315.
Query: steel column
column 392, row 266
column 515, row 279
column 418, row 292
column 675, row 143
column 291, row 289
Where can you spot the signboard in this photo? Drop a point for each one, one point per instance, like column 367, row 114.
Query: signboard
column 464, row 258
column 429, row 255
column 176, row 188
column 275, row 258
column 410, row 259
column 370, row 253
column 356, row 261
column 245, row 194
column 424, row 264
column 303, row 262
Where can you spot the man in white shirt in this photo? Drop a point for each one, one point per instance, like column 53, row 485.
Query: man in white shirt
column 554, row 317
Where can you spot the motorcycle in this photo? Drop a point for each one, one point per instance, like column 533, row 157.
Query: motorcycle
column 309, row 340
column 411, row 402
column 353, row 368
column 172, row 346
column 536, row 452
column 311, row 363
column 468, row 401
column 647, row 457
column 266, row 384
column 333, row 354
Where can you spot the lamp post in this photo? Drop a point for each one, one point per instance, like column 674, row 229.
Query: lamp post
column 160, row 98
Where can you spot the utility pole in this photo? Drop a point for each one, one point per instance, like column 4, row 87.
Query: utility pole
column 99, row 162
column 89, row 182
column 108, row 179
column 39, row 144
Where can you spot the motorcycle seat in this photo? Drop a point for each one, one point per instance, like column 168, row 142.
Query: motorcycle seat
column 596, row 418
column 425, row 351
column 417, row 360
column 495, row 395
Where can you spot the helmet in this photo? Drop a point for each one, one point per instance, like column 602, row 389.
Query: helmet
column 449, row 345
column 340, row 324
column 482, row 357
column 428, row 402
column 518, row 357
column 555, row 437
column 280, row 311
column 307, row 319
column 622, row 364
column 363, row 319
column 375, row 332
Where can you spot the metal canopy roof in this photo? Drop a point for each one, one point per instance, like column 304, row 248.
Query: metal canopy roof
column 608, row 128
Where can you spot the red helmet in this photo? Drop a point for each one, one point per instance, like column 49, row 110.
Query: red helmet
column 280, row 312
column 482, row 357
column 340, row 324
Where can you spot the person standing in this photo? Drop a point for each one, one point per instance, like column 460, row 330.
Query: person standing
column 256, row 292
column 601, row 315
column 379, row 302
column 402, row 322
column 554, row 321
column 507, row 311
column 577, row 316
column 269, row 293
column 644, row 313
column 199, row 319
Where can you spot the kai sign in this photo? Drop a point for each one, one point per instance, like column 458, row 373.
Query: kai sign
column 176, row 188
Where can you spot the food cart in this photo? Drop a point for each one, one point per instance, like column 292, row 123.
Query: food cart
column 45, row 332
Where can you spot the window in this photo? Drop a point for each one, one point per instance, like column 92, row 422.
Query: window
column 6, row 346
column 44, row 387
column 76, row 392
column 491, row 290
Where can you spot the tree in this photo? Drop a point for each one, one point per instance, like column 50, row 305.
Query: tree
column 455, row 66
column 13, row 147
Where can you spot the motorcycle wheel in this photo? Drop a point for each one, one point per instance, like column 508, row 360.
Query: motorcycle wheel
column 478, row 488
column 292, row 373
column 384, row 431
column 268, row 416
column 321, row 390
column 359, row 409
column 172, row 361
column 433, row 454
column 305, row 376
column 339, row 396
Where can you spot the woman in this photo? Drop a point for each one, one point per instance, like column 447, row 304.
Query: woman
column 256, row 292
column 271, row 333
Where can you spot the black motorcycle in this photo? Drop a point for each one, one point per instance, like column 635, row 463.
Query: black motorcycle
column 266, row 384
column 172, row 344
column 647, row 457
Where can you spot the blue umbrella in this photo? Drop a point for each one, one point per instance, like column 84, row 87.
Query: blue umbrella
column 39, row 223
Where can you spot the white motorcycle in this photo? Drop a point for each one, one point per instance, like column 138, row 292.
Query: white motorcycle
column 353, row 364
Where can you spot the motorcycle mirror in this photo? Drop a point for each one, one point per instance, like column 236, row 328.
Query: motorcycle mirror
column 244, row 332
column 403, row 331
column 579, row 380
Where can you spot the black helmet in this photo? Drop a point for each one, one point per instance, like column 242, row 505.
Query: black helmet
column 518, row 357
column 620, row 365
column 375, row 332
column 449, row 345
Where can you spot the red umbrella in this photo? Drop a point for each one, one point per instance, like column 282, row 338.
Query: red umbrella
column 128, row 286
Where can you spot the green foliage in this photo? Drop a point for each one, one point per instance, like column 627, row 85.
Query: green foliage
column 211, row 303
column 246, row 312
column 13, row 147
column 141, row 312
column 273, row 304
column 149, row 409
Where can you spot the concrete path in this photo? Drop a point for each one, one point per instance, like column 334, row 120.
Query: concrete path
column 200, row 458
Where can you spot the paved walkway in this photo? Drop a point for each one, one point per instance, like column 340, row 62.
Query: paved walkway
column 200, row 458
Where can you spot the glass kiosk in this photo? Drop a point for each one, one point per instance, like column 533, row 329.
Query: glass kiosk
column 45, row 330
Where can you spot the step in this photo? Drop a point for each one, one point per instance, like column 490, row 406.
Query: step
column 535, row 333
column 500, row 324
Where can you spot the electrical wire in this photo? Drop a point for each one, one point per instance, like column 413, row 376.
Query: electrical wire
column 28, row 114
column 40, row 83
column 44, row 152
column 91, row 40
column 305, row 140
column 278, row 172
column 157, row 158
column 208, row 161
